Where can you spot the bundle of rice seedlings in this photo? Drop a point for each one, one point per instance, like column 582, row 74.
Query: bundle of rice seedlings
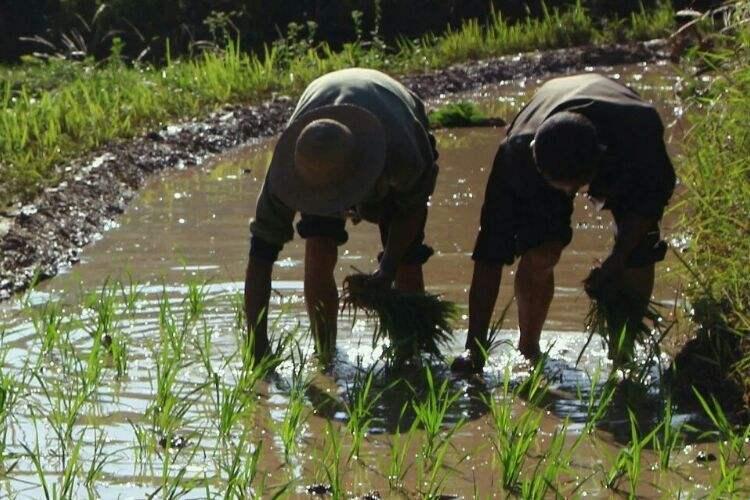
column 410, row 322
column 461, row 114
column 620, row 319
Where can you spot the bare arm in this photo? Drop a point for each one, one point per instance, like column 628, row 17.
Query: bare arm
column 257, row 294
column 321, row 294
column 401, row 234
column 631, row 229
column 485, row 285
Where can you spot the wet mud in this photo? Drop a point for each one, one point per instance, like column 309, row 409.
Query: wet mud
column 41, row 238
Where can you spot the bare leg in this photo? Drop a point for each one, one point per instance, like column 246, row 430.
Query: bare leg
column 321, row 294
column 535, row 287
column 485, row 286
column 409, row 278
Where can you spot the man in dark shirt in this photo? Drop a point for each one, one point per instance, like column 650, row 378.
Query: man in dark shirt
column 578, row 130
column 357, row 147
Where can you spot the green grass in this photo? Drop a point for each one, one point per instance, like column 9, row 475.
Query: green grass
column 715, row 172
column 53, row 112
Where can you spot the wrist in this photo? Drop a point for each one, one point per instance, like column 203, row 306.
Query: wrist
column 387, row 268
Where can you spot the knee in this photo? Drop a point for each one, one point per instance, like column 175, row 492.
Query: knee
column 542, row 258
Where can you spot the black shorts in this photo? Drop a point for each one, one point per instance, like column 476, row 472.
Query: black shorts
column 332, row 227
column 511, row 224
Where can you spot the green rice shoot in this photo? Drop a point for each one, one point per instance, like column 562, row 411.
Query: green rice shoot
column 410, row 322
column 461, row 114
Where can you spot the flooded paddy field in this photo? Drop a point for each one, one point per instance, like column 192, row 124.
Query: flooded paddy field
column 126, row 377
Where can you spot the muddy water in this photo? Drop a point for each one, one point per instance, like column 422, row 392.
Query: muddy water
column 192, row 226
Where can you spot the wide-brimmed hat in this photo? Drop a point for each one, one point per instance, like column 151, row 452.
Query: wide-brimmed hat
column 328, row 160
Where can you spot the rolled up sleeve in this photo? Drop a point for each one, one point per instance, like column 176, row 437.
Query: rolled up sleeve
column 417, row 171
column 272, row 226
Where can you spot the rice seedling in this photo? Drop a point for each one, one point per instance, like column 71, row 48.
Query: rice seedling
column 332, row 463
column 667, row 436
column 598, row 400
column 10, row 393
column 48, row 325
column 104, row 307
column 359, row 405
column 409, row 322
column 170, row 404
column 130, row 295
column 195, row 299
column 238, row 306
column 70, row 473
column 541, row 483
column 97, row 463
column 534, row 387
column 725, row 431
column 633, row 464
column 513, row 441
column 65, row 400
column 431, row 413
column 242, row 469
column 232, row 403
column 35, row 456
column 119, row 354
column 628, row 460
column 461, row 114
column 144, row 447
column 400, row 446
column 295, row 414
column 173, row 336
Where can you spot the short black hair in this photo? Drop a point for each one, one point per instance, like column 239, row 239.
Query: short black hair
column 566, row 147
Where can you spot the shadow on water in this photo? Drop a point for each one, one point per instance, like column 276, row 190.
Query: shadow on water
column 395, row 390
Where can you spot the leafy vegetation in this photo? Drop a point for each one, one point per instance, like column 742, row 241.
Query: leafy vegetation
column 715, row 170
column 52, row 112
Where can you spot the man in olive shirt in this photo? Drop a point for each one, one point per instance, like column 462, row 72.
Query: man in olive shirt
column 577, row 130
column 357, row 147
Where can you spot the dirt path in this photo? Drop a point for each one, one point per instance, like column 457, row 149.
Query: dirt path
column 48, row 235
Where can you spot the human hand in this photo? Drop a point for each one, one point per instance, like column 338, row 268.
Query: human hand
column 605, row 276
column 381, row 279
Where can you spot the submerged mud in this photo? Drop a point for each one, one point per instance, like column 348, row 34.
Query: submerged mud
column 40, row 239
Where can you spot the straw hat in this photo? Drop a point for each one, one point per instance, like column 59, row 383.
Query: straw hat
column 328, row 160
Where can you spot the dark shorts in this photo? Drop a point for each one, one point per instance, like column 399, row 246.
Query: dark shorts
column 511, row 224
column 331, row 227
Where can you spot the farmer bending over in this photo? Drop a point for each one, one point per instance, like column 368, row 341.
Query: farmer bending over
column 578, row 130
column 357, row 147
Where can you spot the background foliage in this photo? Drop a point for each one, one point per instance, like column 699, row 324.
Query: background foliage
column 89, row 26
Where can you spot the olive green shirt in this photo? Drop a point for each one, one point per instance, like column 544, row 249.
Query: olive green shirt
column 410, row 172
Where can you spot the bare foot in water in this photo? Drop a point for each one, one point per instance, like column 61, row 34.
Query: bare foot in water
column 468, row 363
column 531, row 352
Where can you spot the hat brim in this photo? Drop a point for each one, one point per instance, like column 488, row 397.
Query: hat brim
column 339, row 196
